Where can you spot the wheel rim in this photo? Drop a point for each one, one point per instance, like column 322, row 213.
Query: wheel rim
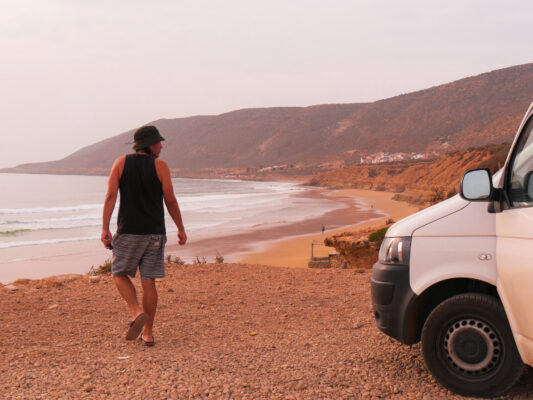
column 472, row 347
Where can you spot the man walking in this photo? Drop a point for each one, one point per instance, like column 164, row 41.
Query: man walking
column 144, row 183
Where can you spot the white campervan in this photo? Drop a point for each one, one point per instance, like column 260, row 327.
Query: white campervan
column 459, row 276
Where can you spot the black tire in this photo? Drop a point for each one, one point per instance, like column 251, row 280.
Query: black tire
column 469, row 347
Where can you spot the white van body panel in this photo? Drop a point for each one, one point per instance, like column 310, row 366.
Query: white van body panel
column 514, row 287
column 408, row 225
column 515, row 274
column 461, row 245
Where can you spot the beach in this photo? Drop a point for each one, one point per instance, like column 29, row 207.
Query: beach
column 295, row 252
column 265, row 244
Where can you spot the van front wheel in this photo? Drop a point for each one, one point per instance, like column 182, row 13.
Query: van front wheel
column 469, row 347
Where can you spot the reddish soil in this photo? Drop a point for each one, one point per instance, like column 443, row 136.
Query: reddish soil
column 315, row 339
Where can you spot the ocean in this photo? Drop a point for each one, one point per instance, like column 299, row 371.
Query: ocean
column 51, row 224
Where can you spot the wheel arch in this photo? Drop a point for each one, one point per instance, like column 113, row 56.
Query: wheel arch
column 432, row 296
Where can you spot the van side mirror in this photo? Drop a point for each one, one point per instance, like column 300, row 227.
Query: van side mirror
column 477, row 185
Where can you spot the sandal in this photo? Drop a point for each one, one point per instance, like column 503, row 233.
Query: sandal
column 136, row 326
column 150, row 343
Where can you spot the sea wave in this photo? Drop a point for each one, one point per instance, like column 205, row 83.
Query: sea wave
column 48, row 227
column 15, row 260
column 224, row 197
column 233, row 205
column 46, row 241
column 13, row 232
column 209, row 205
column 47, row 210
column 72, row 218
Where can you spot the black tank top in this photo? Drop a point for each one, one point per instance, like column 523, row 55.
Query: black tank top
column 141, row 197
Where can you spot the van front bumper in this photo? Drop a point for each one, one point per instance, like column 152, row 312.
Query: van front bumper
column 393, row 299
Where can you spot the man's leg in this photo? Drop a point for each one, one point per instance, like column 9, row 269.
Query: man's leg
column 128, row 292
column 149, row 305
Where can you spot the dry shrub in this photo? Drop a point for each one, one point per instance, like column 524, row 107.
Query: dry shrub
column 102, row 269
column 175, row 260
column 199, row 261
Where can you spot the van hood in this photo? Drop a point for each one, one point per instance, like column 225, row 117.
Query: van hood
column 408, row 225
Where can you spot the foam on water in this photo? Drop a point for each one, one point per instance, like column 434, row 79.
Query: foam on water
column 46, row 241
column 45, row 210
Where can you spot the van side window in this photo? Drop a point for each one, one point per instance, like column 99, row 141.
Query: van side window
column 520, row 188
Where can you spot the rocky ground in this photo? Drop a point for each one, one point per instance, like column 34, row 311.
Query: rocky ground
column 223, row 331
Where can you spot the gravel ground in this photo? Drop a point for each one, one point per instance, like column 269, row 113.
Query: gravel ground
column 222, row 331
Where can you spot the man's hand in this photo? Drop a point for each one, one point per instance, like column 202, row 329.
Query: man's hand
column 106, row 238
column 182, row 238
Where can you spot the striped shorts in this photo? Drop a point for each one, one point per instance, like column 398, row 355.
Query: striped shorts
column 144, row 251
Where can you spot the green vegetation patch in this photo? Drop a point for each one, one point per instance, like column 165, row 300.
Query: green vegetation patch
column 378, row 235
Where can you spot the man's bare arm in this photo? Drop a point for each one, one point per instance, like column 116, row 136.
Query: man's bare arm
column 163, row 172
column 110, row 199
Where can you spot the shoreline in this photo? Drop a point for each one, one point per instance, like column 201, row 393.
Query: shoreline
column 295, row 251
column 236, row 244
column 276, row 245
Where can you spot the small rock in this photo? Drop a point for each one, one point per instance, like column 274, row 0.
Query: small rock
column 94, row 279
column 53, row 306
column 11, row 288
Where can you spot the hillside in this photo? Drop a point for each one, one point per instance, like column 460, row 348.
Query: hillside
column 469, row 112
column 431, row 181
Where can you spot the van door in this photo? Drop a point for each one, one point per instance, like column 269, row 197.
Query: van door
column 514, row 251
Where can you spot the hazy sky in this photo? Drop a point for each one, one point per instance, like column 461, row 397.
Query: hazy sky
column 75, row 72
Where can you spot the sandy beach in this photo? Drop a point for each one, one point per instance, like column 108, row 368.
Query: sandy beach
column 295, row 252
column 236, row 244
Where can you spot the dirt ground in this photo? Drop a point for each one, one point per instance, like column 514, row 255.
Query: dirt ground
column 229, row 331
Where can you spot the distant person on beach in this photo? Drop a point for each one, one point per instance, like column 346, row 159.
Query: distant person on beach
column 144, row 182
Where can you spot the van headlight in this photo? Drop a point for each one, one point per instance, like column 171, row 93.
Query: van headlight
column 395, row 250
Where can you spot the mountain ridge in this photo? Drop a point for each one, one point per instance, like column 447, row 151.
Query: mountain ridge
column 468, row 112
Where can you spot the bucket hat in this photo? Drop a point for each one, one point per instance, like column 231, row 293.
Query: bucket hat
column 146, row 136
